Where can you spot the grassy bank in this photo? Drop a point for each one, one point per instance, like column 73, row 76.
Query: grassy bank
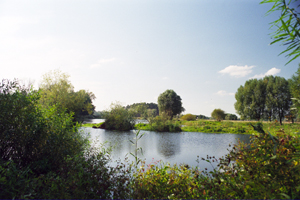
column 210, row 126
column 237, row 127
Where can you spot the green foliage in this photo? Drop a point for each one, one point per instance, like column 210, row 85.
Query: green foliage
column 287, row 26
column 267, row 169
column 170, row 103
column 202, row 117
column 34, row 136
column 161, row 123
column 118, row 118
column 57, row 90
column 144, row 109
column 83, row 176
column 188, row 117
column 165, row 182
column 92, row 125
column 231, row 116
column 218, row 114
column 267, row 98
column 295, row 88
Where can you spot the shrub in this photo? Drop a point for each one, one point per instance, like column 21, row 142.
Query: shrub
column 118, row 118
column 83, row 176
column 32, row 136
column 164, row 124
column 188, row 117
column 165, row 182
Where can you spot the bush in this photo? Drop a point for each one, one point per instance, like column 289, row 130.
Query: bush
column 118, row 118
column 84, row 176
column 163, row 123
column 32, row 136
column 188, row 117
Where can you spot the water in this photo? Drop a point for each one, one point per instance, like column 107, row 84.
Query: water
column 173, row 148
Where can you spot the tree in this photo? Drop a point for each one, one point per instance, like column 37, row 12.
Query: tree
column 287, row 26
column 170, row 103
column 295, row 89
column 231, row 116
column 142, row 109
column 56, row 89
column 278, row 97
column 218, row 114
column 251, row 100
column 267, row 98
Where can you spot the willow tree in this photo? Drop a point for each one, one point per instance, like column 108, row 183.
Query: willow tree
column 56, row 89
column 287, row 27
column 170, row 103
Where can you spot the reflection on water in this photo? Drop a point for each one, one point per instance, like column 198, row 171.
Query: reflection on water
column 169, row 147
column 168, row 144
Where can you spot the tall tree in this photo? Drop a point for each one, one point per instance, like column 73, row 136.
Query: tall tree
column 170, row 103
column 278, row 99
column 56, row 89
column 287, row 27
column 251, row 100
column 295, row 89
column 264, row 98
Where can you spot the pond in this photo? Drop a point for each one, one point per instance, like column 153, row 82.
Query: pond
column 182, row 147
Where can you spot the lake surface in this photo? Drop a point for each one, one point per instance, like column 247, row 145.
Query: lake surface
column 183, row 147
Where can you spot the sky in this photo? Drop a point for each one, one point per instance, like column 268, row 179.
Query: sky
column 131, row 51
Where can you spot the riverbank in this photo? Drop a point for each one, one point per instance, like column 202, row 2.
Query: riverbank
column 235, row 127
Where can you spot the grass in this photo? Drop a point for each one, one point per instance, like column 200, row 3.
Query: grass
column 91, row 125
column 235, row 127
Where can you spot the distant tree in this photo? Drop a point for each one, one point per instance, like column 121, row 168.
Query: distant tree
column 287, row 26
column 56, row 89
column 202, row 117
column 218, row 114
column 170, row 103
column 231, row 116
column 189, row 117
column 141, row 109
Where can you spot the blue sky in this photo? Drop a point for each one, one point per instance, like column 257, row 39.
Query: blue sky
column 131, row 50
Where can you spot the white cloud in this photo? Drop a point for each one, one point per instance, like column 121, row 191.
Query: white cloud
column 237, row 71
column 165, row 78
column 224, row 93
column 101, row 62
column 272, row 71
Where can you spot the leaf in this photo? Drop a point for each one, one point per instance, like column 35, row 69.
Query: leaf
column 285, row 195
column 131, row 141
column 293, row 59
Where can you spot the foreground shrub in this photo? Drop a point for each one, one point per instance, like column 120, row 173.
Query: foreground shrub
column 84, row 176
column 31, row 136
column 118, row 118
column 166, row 182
